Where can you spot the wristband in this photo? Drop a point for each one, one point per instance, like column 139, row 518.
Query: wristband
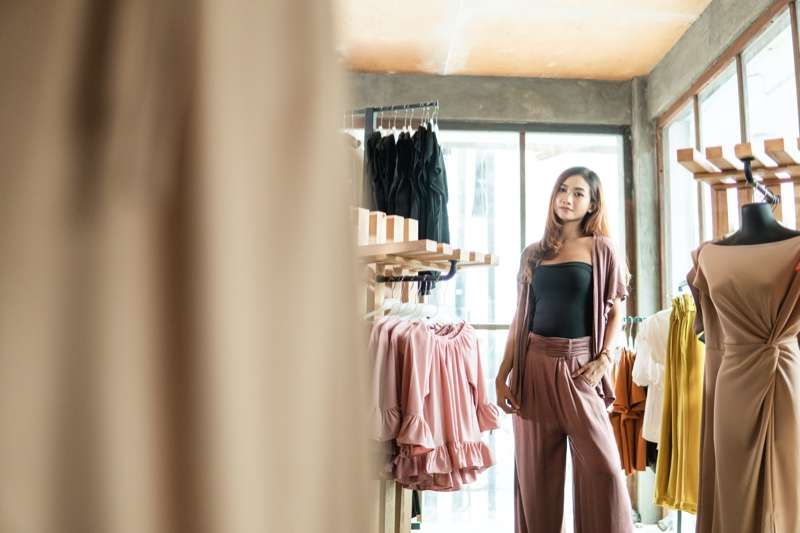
column 607, row 353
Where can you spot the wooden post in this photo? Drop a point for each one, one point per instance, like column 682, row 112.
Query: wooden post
column 720, row 202
column 797, row 205
column 745, row 196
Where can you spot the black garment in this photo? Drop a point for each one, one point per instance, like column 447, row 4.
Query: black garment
column 419, row 182
column 562, row 300
column 651, row 452
column 383, row 171
column 368, row 198
column 400, row 194
column 438, row 220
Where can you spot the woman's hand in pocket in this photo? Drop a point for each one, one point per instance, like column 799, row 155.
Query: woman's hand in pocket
column 505, row 400
column 593, row 371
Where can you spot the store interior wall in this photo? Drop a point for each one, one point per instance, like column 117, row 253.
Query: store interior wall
column 496, row 99
column 718, row 26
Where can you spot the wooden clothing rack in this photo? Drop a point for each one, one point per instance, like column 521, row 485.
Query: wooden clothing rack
column 773, row 163
column 390, row 253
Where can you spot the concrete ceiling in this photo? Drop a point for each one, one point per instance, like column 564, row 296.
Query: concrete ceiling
column 593, row 39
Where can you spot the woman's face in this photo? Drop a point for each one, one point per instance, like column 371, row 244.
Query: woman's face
column 573, row 199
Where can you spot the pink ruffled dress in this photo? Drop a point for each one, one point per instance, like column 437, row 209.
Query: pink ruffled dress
column 429, row 403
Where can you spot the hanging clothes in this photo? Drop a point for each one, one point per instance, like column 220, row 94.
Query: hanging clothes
column 429, row 401
column 627, row 415
column 679, row 444
column 751, row 310
column 407, row 177
column 649, row 367
column 384, row 161
column 401, row 193
column 368, row 200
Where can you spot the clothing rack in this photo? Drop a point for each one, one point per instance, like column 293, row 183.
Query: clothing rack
column 749, row 167
column 371, row 114
column 390, row 253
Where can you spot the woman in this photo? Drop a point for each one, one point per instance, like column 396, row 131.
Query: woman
column 557, row 356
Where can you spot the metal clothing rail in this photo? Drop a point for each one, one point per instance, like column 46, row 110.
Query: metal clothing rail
column 371, row 114
column 400, row 107
column 769, row 196
column 427, row 281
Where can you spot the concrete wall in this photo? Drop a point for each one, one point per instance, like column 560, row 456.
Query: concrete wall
column 716, row 28
column 645, row 197
column 490, row 99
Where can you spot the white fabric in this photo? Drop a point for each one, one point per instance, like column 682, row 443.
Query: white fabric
column 648, row 369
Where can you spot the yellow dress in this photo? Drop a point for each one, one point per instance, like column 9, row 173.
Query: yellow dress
column 679, row 446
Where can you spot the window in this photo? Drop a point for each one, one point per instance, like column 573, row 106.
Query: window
column 719, row 111
column 484, row 211
column 770, row 81
column 681, row 201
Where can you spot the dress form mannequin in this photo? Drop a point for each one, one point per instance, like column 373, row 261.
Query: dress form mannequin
column 758, row 226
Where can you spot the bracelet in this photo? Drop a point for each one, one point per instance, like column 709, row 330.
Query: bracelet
column 607, row 353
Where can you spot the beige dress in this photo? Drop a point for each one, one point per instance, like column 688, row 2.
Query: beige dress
column 754, row 417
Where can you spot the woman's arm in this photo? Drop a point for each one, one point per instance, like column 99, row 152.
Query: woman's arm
column 613, row 325
column 505, row 400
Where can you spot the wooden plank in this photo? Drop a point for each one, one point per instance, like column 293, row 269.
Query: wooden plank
column 361, row 221
column 492, row 260
column 414, row 265
column 380, row 288
column 389, row 506
column 477, row 257
column 402, row 510
column 394, row 228
column 755, row 152
column 778, row 209
column 443, row 251
column 410, row 229
column 694, row 162
column 797, row 206
column 723, row 158
column 745, row 196
column 738, row 175
column 720, row 210
column 783, row 151
column 377, row 227
column 395, row 248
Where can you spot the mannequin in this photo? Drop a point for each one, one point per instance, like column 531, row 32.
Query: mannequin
column 758, row 226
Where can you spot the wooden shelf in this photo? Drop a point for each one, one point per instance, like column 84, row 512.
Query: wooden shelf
column 774, row 158
column 775, row 163
column 376, row 231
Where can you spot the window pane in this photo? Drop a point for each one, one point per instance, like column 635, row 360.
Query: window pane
column 483, row 182
column 769, row 75
column 681, row 205
column 719, row 111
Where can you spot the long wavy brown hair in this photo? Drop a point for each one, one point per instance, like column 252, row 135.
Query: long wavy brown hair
column 594, row 223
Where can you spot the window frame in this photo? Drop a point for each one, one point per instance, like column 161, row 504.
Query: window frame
column 692, row 96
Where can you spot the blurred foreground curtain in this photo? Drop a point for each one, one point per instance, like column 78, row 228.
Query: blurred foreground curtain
column 176, row 343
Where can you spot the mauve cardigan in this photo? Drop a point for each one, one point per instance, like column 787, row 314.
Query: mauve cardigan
column 608, row 283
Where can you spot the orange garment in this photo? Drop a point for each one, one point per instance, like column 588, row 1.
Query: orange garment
column 627, row 416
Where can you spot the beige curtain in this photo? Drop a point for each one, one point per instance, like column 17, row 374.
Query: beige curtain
column 177, row 350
